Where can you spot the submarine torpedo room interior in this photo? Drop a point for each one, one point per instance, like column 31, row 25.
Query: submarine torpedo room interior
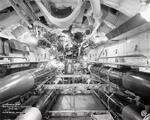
column 74, row 59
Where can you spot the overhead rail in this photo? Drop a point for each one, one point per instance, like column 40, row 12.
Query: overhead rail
column 13, row 57
column 128, row 56
column 125, row 57
column 17, row 66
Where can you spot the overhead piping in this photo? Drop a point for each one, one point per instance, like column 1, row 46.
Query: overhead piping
column 97, row 15
column 61, row 22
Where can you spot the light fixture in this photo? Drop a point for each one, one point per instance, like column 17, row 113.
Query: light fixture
column 144, row 2
column 145, row 13
column 85, row 58
column 100, row 38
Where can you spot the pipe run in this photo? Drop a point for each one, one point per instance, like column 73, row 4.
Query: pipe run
column 136, row 82
column 119, row 108
column 35, row 113
column 17, row 84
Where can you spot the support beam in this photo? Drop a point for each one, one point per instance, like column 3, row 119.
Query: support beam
column 73, row 76
column 129, row 25
column 19, row 12
column 72, row 86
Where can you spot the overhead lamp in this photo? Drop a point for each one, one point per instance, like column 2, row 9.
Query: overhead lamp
column 145, row 13
column 85, row 58
column 33, row 40
column 100, row 38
